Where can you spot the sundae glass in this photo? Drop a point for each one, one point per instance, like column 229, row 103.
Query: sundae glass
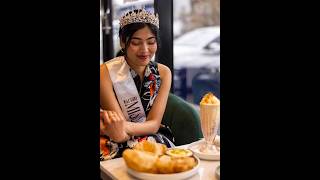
column 210, row 120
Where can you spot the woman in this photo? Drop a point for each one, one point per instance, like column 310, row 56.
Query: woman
column 133, row 89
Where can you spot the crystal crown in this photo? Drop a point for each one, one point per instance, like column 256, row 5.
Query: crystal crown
column 139, row 16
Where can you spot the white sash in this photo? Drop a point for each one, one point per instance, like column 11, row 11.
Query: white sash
column 126, row 90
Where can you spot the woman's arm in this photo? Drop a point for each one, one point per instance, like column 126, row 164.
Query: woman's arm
column 113, row 126
column 152, row 124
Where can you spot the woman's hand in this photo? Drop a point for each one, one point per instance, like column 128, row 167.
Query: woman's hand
column 112, row 125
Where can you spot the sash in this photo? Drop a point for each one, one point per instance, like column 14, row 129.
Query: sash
column 126, row 90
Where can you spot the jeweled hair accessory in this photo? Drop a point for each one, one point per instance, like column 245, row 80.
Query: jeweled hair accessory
column 139, row 16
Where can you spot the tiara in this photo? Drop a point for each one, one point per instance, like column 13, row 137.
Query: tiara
column 140, row 16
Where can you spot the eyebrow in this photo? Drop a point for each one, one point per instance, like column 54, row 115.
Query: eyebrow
column 142, row 39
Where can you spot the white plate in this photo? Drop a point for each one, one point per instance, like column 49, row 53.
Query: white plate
column 181, row 175
column 195, row 148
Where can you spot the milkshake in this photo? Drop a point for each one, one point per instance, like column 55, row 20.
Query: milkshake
column 210, row 119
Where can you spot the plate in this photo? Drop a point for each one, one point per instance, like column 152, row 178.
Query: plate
column 181, row 175
column 195, row 148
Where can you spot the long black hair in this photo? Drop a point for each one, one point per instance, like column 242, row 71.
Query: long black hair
column 125, row 33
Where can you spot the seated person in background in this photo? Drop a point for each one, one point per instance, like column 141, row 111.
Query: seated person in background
column 133, row 89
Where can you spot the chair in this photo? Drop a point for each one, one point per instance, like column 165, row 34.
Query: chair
column 183, row 120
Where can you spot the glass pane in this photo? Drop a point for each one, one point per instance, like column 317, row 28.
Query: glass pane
column 196, row 48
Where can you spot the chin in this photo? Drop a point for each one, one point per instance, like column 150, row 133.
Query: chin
column 143, row 61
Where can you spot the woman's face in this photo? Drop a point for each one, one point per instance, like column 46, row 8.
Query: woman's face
column 142, row 47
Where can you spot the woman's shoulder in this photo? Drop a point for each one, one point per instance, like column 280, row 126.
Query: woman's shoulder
column 158, row 65
column 114, row 61
column 163, row 69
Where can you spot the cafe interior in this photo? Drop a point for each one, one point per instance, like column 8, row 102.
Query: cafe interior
column 190, row 48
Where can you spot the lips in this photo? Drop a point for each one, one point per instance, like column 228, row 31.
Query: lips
column 143, row 57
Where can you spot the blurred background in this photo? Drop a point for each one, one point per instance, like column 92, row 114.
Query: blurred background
column 190, row 35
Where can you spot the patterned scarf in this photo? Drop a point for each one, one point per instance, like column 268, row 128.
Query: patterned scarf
column 148, row 91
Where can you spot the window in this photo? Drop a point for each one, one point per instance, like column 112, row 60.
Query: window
column 196, row 48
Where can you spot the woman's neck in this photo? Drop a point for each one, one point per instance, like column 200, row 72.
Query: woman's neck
column 139, row 70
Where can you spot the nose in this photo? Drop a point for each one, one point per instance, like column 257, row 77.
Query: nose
column 144, row 47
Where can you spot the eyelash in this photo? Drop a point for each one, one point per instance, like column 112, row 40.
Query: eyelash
column 139, row 43
column 151, row 43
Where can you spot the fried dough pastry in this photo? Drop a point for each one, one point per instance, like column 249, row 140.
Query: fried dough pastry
column 165, row 164
column 141, row 161
column 153, row 147
column 183, row 164
column 150, row 157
